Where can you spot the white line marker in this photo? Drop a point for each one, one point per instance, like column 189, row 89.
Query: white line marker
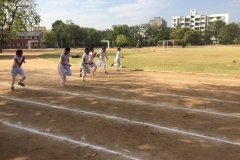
column 175, row 81
column 136, row 102
column 128, row 121
column 157, row 93
column 178, row 81
column 214, row 79
column 185, row 88
column 83, row 144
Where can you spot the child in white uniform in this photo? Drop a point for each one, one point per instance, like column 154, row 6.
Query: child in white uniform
column 85, row 64
column 91, row 62
column 64, row 66
column 101, row 62
column 117, row 59
column 16, row 68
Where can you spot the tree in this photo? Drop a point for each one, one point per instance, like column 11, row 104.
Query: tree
column 237, row 40
column 16, row 16
column 228, row 33
column 121, row 40
column 178, row 35
column 193, row 37
column 50, row 38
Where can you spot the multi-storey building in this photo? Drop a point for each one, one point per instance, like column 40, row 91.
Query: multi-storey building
column 198, row 22
column 158, row 21
column 25, row 40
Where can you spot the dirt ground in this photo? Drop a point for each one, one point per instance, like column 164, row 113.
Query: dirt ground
column 118, row 116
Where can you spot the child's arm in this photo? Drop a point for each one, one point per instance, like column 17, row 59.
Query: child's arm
column 106, row 56
column 20, row 64
column 94, row 55
column 85, row 61
column 64, row 63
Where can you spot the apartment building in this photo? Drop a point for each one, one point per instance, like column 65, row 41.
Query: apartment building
column 158, row 21
column 198, row 22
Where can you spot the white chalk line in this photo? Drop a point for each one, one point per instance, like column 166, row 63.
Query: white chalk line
column 166, row 86
column 214, row 79
column 185, row 88
column 126, row 120
column 164, row 94
column 178, row 81
column 83, row 144
column 136, row 102
column 175, row 81
column 157, row 93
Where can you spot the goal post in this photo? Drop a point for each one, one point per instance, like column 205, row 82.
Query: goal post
column 165, row 44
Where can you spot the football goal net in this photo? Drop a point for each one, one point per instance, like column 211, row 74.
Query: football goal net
column 163, row 45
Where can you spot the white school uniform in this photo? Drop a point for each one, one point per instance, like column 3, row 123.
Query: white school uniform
column 101, row 61
column 63, row 68
column 85, row 67
column 91, row 60
column 15, row 70
column 117, row 59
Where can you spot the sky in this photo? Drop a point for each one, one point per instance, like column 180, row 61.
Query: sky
column 102, row 14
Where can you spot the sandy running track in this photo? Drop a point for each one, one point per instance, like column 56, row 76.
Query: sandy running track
column 126, row 115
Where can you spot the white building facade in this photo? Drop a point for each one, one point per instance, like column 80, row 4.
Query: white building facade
column 198, row 22
column 158, row 21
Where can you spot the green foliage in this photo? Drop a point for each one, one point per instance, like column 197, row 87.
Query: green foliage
column 178, row 34
column 237, row 40
column 50, row 38
column 228, row 33
column 16, row 16
column 70, row 34
column 192, row 37
column 121, row 40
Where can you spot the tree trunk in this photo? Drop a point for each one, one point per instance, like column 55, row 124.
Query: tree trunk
column 1, row 46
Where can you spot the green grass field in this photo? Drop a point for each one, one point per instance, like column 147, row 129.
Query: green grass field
column 215, row 60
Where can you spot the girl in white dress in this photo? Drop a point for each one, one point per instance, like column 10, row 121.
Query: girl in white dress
column 117, row 59
column 16, row 68
column 85, row 64
column 64, row 69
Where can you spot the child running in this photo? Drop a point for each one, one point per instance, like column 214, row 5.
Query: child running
column 16, row 68
column 64, row 66
column 91, row 62
column 101, row 55
column 117, row 59
column 85, row 64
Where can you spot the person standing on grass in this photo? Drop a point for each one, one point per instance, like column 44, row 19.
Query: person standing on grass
column 85, row 64
column 101, row 62
column 16, row 68
column 92, row 64
column 117, row 59
column 64, row 69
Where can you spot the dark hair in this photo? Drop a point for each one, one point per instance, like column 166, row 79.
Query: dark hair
column 86, row 49
column 19, row 51
column 91, row 49
column 67, row 49
column 103, row 48
column 119, row 49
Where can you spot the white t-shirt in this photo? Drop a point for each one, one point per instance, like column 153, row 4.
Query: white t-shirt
column 102, row 55
column 118, row 55
column 90, row 56
column 15, row 66
column 65, row 58
column 86, row 57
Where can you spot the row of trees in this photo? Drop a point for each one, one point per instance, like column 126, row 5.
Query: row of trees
column 69, row 34
column 216, row 32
